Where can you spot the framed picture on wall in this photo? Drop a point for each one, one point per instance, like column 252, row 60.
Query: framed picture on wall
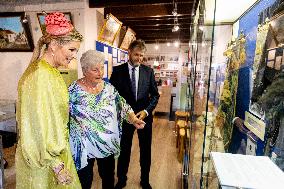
column 15, row 34
column 274, row 58
column 128, row 38
column 110, row 29
column 123, row 56
column 41, row 17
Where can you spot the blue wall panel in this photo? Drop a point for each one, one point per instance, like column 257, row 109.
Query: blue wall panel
column 248, row 25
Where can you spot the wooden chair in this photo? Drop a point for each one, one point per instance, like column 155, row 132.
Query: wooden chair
column 181, row 124
column 180, row 115
column 182, row 140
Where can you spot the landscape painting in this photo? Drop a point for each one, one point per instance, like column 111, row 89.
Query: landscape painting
column 14, row 34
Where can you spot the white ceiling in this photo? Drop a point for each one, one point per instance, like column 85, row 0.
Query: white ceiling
column 226, row 10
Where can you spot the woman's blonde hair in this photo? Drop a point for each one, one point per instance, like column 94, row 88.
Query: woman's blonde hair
column 61, row 40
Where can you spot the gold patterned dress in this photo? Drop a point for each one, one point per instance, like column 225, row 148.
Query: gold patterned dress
column 42, row 116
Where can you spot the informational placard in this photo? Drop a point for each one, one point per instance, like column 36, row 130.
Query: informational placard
column 255, row 125
column 245, row 171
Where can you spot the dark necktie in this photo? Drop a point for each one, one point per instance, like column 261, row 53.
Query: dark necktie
column 133, row 82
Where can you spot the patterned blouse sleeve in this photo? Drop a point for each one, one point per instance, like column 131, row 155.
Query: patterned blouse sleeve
column 124, row 108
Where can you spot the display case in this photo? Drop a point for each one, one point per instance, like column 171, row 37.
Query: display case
column 230, row 66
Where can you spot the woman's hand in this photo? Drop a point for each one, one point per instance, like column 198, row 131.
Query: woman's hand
column 62, row 175
column 139, row 124
column 132, row 118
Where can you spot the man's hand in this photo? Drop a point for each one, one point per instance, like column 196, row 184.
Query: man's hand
column 141, row 115
column 139, row 124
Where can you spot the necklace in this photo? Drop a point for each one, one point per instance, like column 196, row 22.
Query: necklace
column 92, row 89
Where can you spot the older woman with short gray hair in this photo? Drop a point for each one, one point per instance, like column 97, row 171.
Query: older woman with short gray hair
column 96, row 115
column 91, row 58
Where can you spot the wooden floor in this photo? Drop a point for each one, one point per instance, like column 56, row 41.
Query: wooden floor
column 165, row 168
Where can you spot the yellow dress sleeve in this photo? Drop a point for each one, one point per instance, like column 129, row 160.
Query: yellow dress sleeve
column 43, row 117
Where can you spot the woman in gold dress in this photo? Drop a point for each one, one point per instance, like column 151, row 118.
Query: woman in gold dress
column 43, row 156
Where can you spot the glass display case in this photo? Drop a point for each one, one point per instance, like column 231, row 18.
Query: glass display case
column 231, row 67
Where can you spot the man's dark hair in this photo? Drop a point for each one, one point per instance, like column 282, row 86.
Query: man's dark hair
column 137, row 43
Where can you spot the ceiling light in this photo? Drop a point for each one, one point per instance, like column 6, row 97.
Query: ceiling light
column 168, row 44
column 176, row 43
column 176, row 27
column 174, row 12
column 156, row 47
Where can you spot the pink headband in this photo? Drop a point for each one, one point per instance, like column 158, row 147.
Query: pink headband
column 57, row 24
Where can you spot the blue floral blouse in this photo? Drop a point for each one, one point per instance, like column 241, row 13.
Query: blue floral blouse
column 95, row 123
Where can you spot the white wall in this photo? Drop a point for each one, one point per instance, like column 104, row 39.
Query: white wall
column 13, row 64
column 223, row 35
column 164, row 49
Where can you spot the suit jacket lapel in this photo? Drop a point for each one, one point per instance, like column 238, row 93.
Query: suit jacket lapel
column 140, row 81
column 127, row 74
column 128, row 80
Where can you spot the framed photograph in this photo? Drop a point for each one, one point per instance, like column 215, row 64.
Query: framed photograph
column 128, row 38
column 15, row 35
column 271, row 54
column 278, row 62
column 110, row 29
column 123, row 57
column 274, row 58
column 41, row 17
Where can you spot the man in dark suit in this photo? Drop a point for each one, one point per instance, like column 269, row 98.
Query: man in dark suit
column 136, row 83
